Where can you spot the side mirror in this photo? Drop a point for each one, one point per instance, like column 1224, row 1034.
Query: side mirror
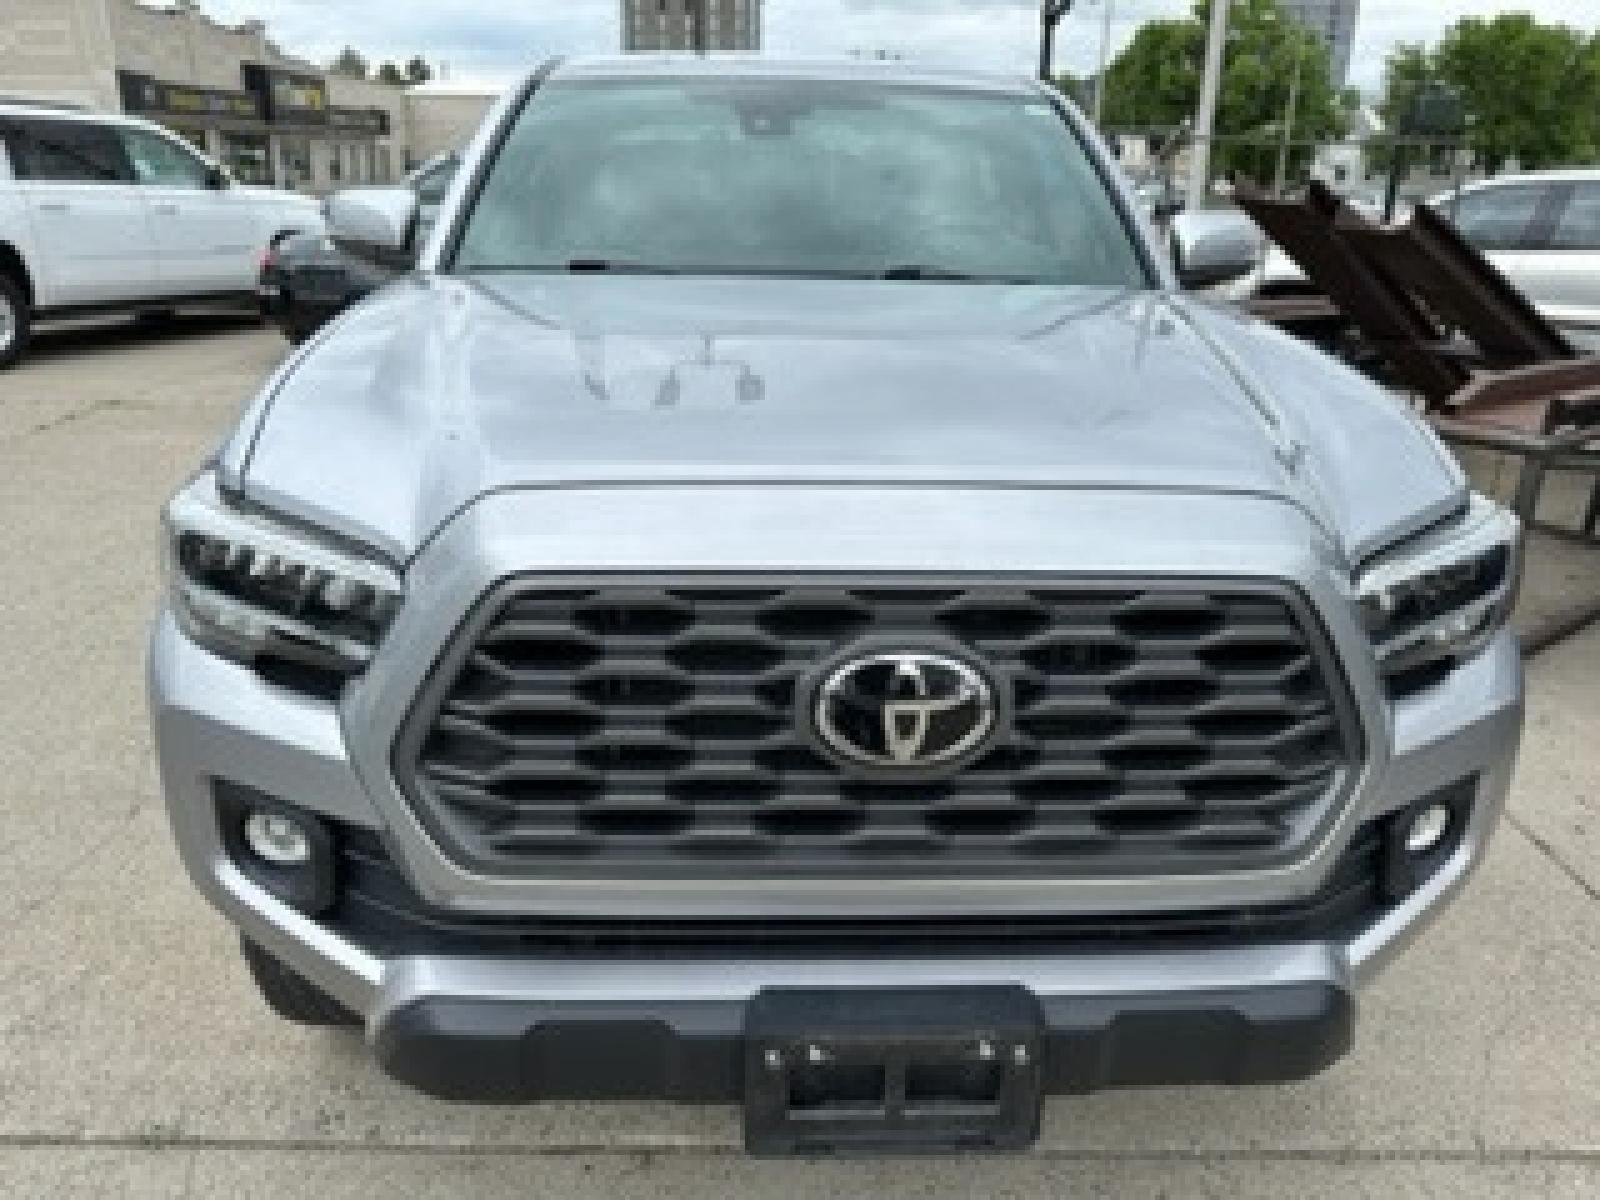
column 1213, row 246
column 376, row 224
column 217, row 179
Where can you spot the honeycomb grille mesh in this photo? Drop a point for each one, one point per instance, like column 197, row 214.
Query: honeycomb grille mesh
column 657, row 730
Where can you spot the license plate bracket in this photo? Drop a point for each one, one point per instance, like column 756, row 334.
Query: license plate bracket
column 879, row 1071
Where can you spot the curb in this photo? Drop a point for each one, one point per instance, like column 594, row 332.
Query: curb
column 1558, row 629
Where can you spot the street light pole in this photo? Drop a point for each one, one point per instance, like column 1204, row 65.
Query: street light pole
column 1206, row 119
column 1105, row 57
column 1051, row 13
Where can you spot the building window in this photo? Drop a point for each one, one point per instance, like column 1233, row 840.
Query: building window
column 295, row 155
column 248, row 156
column 195, row 136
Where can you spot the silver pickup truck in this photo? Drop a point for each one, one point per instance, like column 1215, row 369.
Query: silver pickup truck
column 789, row 604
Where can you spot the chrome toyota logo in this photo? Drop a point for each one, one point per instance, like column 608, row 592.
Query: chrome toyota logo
column 904, row 711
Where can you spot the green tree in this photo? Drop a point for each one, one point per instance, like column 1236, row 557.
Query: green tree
column 389, row 73
column 350, row 64
column 1531, row 91
column 1156, row 82
column 418, row 71
column 1409, row 69
column 1528, row 91
column 1073, row 88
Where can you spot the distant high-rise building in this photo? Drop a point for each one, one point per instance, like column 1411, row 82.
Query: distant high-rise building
column 657, row 25
column 1335, row 22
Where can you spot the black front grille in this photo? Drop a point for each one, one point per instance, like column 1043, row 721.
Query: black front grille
column 660, row 730
column 378, row 909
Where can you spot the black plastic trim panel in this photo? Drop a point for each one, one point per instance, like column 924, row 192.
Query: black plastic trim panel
column 379, row 910
column 527, row 1051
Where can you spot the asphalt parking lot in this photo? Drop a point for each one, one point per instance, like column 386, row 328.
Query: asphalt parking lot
column 135, row 1059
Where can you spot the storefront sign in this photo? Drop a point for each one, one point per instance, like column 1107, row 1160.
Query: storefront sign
column 288, row 98
column 373, row 122
column 156, row 97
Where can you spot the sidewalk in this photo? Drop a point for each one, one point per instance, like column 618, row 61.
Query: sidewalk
column 1561, row 587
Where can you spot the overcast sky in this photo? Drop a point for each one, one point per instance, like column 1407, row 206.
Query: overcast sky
column 496, row 39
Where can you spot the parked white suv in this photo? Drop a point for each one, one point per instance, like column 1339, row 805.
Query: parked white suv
column 114, row 213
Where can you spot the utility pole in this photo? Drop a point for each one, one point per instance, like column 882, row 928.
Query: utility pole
column 1105, row 58
column 1289, row 116
column 1206, row 120
column 700, row 22
column 1051, row 13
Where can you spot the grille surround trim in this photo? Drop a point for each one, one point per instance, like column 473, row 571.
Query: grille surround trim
column 425, row 706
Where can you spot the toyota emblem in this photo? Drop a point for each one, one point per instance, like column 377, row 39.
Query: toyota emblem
column 905, row 711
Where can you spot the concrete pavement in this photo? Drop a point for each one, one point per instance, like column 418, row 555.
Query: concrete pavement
column 135, row 1059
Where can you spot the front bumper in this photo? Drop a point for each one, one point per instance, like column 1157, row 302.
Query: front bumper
column 570, row 1042
column 537, row 1027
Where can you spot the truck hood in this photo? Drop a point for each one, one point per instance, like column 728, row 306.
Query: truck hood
column 441, row 389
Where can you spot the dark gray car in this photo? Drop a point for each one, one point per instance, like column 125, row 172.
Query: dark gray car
column 306, row 279
column 789, row 604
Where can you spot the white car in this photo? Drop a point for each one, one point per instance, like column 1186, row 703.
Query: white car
column 1542, row 230
column 111, row 213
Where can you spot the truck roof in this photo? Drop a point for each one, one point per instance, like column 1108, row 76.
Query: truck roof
column 724, row 66
column 65, row 112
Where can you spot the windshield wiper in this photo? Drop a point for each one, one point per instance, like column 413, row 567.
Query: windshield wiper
column 575, row 266
column 951, row 274
column 622, row 266
column 616, row 266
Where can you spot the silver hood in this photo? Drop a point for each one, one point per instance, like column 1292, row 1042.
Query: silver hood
column 439, row 390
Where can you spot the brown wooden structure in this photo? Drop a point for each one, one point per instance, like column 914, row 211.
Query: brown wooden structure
column 1490, row 370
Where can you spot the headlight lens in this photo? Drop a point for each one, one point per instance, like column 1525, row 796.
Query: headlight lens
column 1444, row 595
column 249, row 588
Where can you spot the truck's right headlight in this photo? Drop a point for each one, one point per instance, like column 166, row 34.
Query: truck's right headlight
column 250, row 587
column 1443, row 595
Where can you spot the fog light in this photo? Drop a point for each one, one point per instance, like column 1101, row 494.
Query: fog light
column 286, row 850
column 277, row 839
column 1428, row 829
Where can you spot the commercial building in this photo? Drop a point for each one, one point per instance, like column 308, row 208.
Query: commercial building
column 445, row 113
column 663, row 25
column 274, row 119
column 1335, row 22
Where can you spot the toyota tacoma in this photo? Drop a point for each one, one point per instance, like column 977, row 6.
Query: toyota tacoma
column 788, row 603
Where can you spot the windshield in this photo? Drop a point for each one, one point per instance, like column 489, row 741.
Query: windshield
column 797, row 177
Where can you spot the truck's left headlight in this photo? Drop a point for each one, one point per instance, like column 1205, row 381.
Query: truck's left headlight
column 250, row 588
column 1442, row 596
